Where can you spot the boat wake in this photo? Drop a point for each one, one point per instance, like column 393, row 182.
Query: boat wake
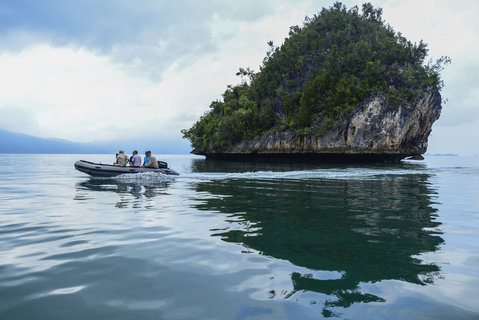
column 335, row 174
column 152, row 178
column 144, row 177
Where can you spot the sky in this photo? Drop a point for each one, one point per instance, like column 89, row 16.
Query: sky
column 88, row 70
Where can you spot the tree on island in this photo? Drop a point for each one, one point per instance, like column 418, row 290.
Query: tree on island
column 319, row 75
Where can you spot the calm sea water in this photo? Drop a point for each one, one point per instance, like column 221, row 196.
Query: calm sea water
column 239, row 240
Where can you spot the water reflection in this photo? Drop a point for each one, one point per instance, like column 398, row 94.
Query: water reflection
column 203, row 165
column 129, row 192
column 363, row 230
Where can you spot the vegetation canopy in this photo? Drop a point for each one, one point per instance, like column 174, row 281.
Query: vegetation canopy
column 319, row 75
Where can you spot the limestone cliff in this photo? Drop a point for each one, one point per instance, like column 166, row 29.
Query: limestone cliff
column 377, row 131
column 343, row 87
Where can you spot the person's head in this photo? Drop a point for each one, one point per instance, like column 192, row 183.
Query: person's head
column 147, row 153
column 121, row 152
column 135, row 152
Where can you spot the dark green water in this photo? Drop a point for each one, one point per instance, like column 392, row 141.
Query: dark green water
column 240, row 241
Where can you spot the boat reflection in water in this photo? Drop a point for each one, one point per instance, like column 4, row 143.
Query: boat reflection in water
column 131, row 193
column 357, row 231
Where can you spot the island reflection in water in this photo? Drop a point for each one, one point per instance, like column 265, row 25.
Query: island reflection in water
column 363, row 230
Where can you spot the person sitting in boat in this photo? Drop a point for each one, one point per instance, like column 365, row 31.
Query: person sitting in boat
column 135, row 159
column 121, row 159
column 152, row 163
column 145, row 160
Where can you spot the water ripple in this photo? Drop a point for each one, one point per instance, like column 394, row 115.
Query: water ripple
column 242, row 241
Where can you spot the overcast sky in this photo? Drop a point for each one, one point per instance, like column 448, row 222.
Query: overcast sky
column 88, row 70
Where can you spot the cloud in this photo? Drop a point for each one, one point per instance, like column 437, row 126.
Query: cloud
column 89, row 70
column 150, row 35
column 16, row 119
column 67, row 93
column 83, row 94
column 460, row 139
column 448, row 28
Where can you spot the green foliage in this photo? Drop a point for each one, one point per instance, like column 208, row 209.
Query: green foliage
column 320, row 74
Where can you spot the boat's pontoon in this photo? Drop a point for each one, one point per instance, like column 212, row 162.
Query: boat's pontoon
column 108, row 170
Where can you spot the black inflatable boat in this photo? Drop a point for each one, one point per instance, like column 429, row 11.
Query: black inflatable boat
column 108, row 170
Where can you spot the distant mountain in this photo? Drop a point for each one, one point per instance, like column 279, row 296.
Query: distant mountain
column 12, row 142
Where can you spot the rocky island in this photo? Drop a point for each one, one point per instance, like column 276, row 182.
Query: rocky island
column 343, row 87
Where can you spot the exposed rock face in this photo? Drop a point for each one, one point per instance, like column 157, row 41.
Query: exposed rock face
column 378, row 131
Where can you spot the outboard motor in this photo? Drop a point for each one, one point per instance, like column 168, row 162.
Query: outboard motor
column 162, row 165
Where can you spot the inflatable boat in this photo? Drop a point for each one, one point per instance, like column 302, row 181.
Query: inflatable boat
column 108, row 170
